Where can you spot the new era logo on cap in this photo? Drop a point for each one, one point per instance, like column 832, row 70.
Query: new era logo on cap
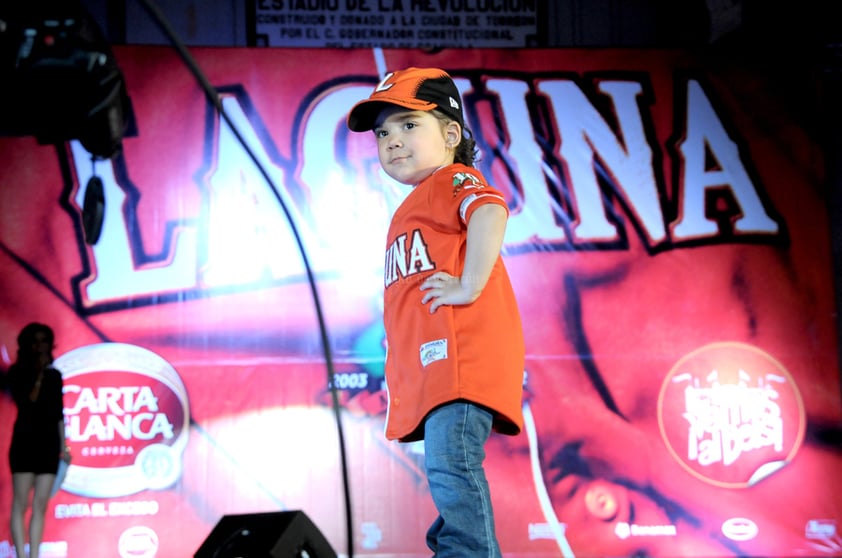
column 413, row 88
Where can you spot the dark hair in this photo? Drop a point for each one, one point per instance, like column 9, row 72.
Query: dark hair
column 466, row 152
column 26, row 338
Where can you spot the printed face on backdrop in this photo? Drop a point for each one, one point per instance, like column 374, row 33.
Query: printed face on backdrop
column 640, row 461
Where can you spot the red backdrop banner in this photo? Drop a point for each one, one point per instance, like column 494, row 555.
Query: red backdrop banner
column 669, row 245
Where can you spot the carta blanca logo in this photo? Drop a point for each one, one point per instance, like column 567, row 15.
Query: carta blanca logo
column 126, row 419
column 107, row 413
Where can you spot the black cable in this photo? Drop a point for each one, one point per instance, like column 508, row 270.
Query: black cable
column 213, row 97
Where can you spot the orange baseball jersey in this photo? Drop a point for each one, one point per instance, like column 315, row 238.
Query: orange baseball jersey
column 473, row 352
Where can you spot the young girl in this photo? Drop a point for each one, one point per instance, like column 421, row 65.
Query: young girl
column 455, row 350
column 38, row 435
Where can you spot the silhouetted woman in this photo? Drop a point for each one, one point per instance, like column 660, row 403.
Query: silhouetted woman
column 38, row 437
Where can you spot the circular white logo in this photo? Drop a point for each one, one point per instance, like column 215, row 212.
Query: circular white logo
column 623, row 530
column 138, row 542
column 739, row 529
column 730, row 414
column 127, row 420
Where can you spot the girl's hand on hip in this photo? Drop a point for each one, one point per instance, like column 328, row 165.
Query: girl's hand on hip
column 443, row 288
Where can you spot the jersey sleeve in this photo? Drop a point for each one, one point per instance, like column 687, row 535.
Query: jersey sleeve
column 471, row 191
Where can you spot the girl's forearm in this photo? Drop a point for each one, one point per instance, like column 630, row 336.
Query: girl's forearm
column 486, row 230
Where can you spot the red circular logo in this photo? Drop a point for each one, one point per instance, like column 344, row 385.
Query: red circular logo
column 126, row 418
column 731, row 414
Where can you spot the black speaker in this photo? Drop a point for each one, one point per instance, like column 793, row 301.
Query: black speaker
column 288, row 534
column 60, row 78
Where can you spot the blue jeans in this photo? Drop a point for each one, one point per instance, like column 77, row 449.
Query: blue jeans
column 454, row 449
